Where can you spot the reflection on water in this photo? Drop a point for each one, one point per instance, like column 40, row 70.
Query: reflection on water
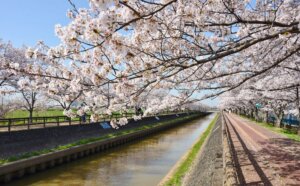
column 140, row 163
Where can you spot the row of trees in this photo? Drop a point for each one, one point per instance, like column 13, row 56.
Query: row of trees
column 276, row 94
column 137, row 49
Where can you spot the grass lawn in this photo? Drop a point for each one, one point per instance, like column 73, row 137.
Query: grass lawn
column 42, row 113
column 49, row 113
column 286, row 132
column 177, row 177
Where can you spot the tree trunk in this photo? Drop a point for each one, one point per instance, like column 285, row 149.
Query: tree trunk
column 30, row 115
column 298, row 118
column 266, row 115
column 277, row 123
column 252, row 113
column 278, row 120
column 298, row 105
column 256, row 114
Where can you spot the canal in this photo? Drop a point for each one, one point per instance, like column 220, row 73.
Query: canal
column 144, row 163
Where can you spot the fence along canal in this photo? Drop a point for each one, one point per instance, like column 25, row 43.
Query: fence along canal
column 16, row 124
column 144, row 162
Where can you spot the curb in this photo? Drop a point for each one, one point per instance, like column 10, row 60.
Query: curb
column 230, row 173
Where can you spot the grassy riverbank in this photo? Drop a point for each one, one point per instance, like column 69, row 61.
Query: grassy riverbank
column 182, row 169
column 286, row 132
column 37, row 113
column 95, row 139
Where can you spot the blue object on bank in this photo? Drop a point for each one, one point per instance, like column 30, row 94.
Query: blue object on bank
column 290, row 121
column 105, row 125
column 258, row 105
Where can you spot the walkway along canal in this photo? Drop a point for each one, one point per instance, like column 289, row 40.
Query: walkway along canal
column 140, row 163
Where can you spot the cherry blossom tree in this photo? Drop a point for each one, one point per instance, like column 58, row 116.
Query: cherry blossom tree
column 63, row 96
column 11, row 60
column 175, row 42
column 186, row 46
column 14, row 79
column 275, row 92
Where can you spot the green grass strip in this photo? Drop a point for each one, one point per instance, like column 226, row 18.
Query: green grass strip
column 286, row 132
column 176, row 178
column 94, row 139
column 36, row 113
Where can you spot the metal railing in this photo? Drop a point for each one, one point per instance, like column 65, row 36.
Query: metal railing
column 13, row 124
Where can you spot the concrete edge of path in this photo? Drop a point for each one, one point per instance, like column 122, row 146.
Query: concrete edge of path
column 230, row 172
column 185, row 156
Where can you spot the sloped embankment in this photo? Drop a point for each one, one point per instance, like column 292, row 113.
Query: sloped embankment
column 207, row 169
column 190, row 169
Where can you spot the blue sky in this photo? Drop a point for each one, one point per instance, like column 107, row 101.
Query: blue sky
column 28, row 21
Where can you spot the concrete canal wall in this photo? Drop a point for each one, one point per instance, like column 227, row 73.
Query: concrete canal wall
column 19, row 142
column 20, row 168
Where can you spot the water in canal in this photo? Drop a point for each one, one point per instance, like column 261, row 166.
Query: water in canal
column 140, row 163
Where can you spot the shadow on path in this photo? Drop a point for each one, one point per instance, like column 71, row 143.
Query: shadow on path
column 264, row 179
column 285, row 154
